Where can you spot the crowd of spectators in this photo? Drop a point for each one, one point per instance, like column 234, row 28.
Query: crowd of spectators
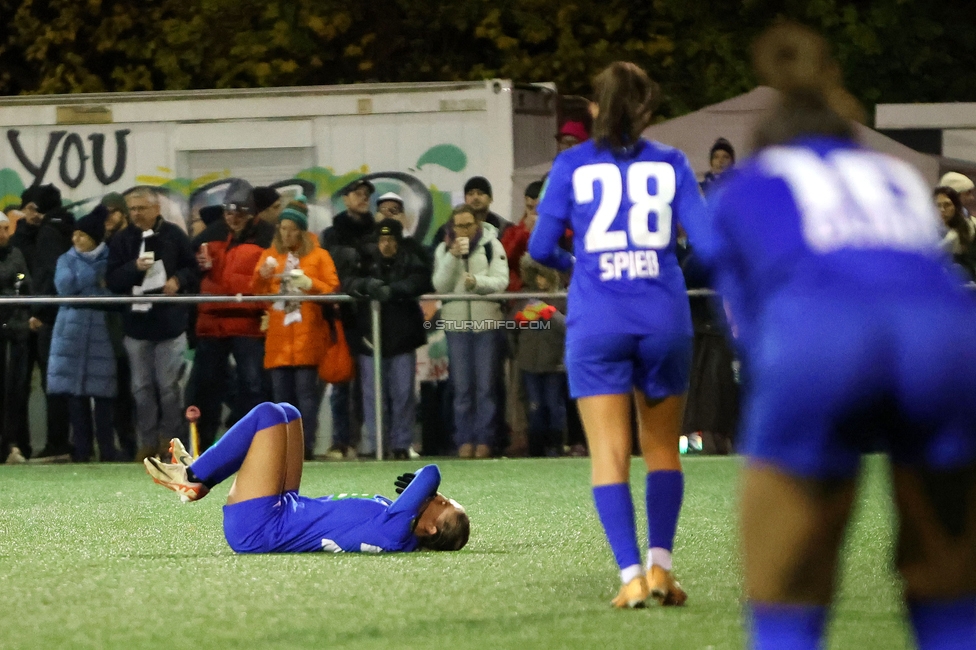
column 116, row 378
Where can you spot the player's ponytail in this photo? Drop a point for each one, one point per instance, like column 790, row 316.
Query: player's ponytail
column 795, row 60
column 626, row 97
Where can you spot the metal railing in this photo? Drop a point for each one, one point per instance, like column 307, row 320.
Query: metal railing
column 375, row 309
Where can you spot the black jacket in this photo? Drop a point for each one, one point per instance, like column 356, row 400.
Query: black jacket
column 345, row 240
column 172, row 246
column 42, row 246
column 398, row 282
column 14, row 318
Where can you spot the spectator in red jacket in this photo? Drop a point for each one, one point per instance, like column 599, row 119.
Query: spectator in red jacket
column 227, row 252
column 515, row 239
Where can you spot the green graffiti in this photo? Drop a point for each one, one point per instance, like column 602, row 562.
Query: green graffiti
column 448, row 156
column 11, row 187
column 326, row 181
column 442, row 212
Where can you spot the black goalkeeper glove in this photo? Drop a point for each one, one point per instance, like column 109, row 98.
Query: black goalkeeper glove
column 403, row 481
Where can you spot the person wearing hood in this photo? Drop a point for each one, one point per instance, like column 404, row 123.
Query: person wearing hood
column 471, row 260
column 351, row 232
column 14, row 351
column 43, row 235
column 227, row 252
column 82, row 363
column 721, row 158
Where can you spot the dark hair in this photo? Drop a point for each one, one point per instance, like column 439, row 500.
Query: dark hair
column 626, row 97
column 958, row 221
column 534, row 189
column 452, row 535
column 795, row 60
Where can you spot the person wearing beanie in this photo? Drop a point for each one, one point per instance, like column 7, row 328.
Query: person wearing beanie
column 397, row 274
column 42, row 236
column 965, row 187
column 721, row 157
column 295, row 265
column 118, row 214
column 391, row 206
column 82, row 362
column 346, row 240
column 15, row 337
column 571, row 133
column 478, row 195
column 226, row 252
column 268, row 202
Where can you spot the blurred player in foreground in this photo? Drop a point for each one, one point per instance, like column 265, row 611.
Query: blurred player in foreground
column 628, row 338
column 265, row 513
column 855, row 337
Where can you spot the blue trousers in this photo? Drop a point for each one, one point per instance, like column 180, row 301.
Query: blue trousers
column 299, row 385
column 399, row 401
column 474, row 376
column 546, row 410
column 210, row 368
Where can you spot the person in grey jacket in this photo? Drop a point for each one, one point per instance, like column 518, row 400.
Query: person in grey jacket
column 472, row 260
column 82, row 363
column 540, row 341
column 14, row 345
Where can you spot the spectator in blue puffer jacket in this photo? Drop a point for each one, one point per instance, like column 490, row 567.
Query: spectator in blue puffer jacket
column 82, row 363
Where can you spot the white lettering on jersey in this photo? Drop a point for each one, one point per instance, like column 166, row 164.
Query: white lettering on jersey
column 331, row 547
column 616, row 260
column 634, row 264
column 856, row 199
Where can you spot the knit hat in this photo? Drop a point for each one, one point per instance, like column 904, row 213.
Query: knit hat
column 478, row 183
column 115, row 201
column 390, row 227
column 356, row 184
column 211, row 213
column 93, row 223
column 573, row 129
column 265, row 197
column 296, row 212
column 45, row 197
column 239, row 197
column 534, row 189
column 957, row 181
column 390, row 196
column 722, row 145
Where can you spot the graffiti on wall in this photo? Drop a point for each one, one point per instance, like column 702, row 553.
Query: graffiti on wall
column 67, row 154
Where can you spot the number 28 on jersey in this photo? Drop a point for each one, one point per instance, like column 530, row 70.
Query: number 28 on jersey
column 630, row 254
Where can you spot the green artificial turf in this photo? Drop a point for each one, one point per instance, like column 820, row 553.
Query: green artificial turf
column 97, row 556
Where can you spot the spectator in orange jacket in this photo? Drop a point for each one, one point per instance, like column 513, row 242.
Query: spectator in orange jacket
column 515, row 239
column 227, row 252
column 294, row 266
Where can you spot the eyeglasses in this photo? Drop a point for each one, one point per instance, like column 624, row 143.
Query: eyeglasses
column 465, row 226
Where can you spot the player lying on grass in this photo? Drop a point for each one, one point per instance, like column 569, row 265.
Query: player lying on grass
column 265, row 513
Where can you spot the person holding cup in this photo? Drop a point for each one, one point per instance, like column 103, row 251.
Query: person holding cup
column 294, row 266
column 153, row 256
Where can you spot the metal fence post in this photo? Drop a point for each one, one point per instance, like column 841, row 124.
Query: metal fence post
column 374, row 308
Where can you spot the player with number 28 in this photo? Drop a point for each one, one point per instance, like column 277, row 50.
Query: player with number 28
column 628, row 339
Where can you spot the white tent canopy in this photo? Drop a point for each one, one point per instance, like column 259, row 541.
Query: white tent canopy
column 735, row 120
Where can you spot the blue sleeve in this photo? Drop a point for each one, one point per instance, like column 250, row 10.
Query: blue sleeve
column 555, row 210
column 690, row 209
column 423, row 487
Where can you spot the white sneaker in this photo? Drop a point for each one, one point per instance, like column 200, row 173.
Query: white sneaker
column 15, row 457
column 173, row 477
column 179, row 453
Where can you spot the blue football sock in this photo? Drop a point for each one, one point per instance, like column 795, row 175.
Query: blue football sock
column 944, row 624
column 291, row 412
column 226, row 456
column 616, row 511
column 775, row 626
column 665, row 491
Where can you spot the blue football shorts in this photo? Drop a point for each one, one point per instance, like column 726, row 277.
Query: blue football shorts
column 657, row 364
column 831, row 378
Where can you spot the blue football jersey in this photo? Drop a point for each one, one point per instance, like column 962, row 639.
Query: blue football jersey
column 822, row 212
column 623, row 208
